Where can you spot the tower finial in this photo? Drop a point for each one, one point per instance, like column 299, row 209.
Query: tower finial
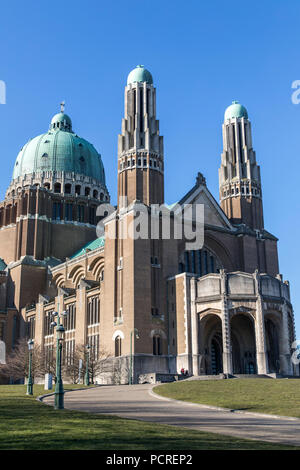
column 62, row 107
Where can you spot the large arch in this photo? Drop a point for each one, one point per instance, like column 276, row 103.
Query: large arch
column 77, row 273
column 220, row 251
column 243, row 344
column 96, row 267
column 58, row 280
column 273, row 336
column 210, row 344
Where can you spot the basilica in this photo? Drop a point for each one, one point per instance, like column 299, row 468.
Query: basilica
column 222, row 308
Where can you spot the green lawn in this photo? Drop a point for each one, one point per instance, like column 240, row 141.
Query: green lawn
column 28, row 424
column 274, row 396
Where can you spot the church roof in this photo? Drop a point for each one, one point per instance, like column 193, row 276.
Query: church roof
column 98, row 243
column 59, row 149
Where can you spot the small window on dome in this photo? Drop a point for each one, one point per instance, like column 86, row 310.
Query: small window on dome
column 17, row 163
column 46, row 141
column 45, row 155
column 80, row 145
column 82, row 159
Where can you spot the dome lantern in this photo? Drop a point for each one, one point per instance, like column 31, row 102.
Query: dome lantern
column 235, row 111
column 140, row 74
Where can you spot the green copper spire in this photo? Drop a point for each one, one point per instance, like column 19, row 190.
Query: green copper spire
column 235, row 110
column 140, row 74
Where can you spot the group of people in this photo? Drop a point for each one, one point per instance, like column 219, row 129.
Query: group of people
column 184, row 372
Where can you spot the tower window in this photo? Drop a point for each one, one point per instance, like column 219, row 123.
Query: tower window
column 87, row 191
column 156, row 345
column 145, row 162
column 78, row 190
column 69, row 211
column 80, row 213
column 57, row 188
column 68, row 188
column 95, row 194
column 92, row 215
column 118, row 346
column 56, row 211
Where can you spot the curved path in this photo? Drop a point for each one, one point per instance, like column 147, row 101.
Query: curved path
column 138, row 402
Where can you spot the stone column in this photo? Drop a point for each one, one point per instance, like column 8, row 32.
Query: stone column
column 260, row 336
column 194, row 328
column 226, row 337
column 285, row 353
column 81, row 333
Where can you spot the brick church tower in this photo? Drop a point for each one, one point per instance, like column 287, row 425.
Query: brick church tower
column 239, row 174
column 140, row 147
column 134, row 267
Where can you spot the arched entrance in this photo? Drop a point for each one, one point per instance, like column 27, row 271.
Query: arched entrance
column 272, row 343
column 243, row 344
column 211, row 347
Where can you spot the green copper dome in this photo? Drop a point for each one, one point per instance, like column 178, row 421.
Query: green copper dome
column 60, row 149
column 140, row 74
column 235, row 110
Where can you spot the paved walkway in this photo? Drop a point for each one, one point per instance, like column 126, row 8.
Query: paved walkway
column 137, row 402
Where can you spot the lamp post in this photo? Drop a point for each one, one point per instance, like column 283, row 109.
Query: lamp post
column 87, row 358
column 59, row 387
column 30, row 381
column 136, row 334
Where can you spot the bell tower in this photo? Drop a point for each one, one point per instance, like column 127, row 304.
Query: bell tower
column 140, row 147
column 239, row 174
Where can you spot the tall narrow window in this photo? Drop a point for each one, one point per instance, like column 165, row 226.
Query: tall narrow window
column 56, row 211
column 205, row 263
column 69, row 211
column 118, row 346
column 80, row 213
column 212, row 264
column 141, row 110
column 156, row 345
column 70, row 318
column 187, row 262
column 200, row 262
column 92, row 215
column 93, row 316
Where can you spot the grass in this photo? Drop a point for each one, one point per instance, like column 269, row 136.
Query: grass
column 30, row 425
column 273, row 396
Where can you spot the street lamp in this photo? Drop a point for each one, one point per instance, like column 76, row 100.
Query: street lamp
column 30, row 381
column 59, row 387
column 87, row 358
column 136, row 334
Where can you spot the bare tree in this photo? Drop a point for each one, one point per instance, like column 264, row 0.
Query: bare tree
column 17, row 361
column 71, row 367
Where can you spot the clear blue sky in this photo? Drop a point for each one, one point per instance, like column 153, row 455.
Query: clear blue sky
column 202, row 55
